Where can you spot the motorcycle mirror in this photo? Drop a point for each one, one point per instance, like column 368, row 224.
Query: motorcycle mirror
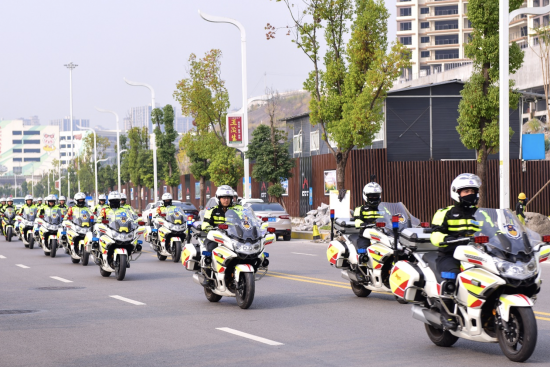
column 380, row 224
column 425, row 225
column 223, row 226
column 271, row 229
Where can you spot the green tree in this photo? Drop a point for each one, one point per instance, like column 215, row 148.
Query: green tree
column 478, row 124
column 270, row 149
column 136, row 161
column 24, row 188
column 203, row 96
column 349, row 92
column 166, row 150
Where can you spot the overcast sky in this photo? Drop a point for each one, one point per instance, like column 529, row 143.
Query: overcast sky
column 142, row 40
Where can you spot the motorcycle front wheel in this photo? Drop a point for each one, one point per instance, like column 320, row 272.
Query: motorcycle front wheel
column 176, row 251
column 53, row 250
column 120, row 267
column 85, row 257
column 31, row 242
column 440, row 337
column 519, row 342
column 9, row 234
column 104, row 273
column 245, row 291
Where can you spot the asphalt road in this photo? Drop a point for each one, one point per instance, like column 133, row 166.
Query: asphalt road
column 306, row 314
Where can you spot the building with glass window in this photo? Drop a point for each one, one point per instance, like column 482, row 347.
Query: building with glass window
column 64, row 124
column 436, row 31
column 66, row 152
column 26, row 149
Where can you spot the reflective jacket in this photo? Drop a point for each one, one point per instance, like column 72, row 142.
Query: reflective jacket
column 453, row 221
column 98, row 207
column 520, row 206
column 366, row 215
column 25, row 207
column 216, row 215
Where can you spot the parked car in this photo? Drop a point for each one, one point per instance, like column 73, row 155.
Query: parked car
column 276, row 215
column 249, row 201
column 187, row 207
column 212, row 202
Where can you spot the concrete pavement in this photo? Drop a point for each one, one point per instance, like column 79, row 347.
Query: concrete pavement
column 303, row 314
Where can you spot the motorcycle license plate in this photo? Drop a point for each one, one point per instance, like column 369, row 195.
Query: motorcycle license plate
column 272, row 219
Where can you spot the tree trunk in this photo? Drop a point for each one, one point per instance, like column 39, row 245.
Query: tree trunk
column 341, row 161
column 138, row 199
column 202, row 201
column 482, row 173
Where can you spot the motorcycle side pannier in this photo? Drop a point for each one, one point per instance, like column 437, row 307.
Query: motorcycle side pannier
column 416, row 239
column 405, row 280
column 345, row 225
column 337, row 254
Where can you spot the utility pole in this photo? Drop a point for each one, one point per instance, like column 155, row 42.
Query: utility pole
column 70, row 66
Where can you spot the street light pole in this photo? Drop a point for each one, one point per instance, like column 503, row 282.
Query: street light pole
column 216, row 19
column 96, row 193
column 504, row 92
column 117, row 141
column 95, row 157
column 70, row 66
column 153, row 142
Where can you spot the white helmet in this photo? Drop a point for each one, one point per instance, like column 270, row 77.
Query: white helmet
column 39, row 199
column 28, row 197
column 224, row 191
column 3, row 199
column 63, row 198
column 114, row 195
column 102, row 197
column 49, row 198
column 123, row 196
column 372, row 193
column 465, row 181
column 80, row 199
column 166, row 196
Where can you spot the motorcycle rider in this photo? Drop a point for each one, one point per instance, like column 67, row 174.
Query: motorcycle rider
column 123, row 203
column 451, row 223
column 166, row 202
column 51, row 203
column 216, row 215
column 520, row 206
column 8, row 205
column 368, row 213
column 101, row 199
column 62, row 205
column 114, row 206
column 2, row 204
column 39, row 203
column 80, row 203
column 29, row 204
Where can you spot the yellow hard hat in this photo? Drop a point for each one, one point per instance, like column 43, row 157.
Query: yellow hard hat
column 522, row 196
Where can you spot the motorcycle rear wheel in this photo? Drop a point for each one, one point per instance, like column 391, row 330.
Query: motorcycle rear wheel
column 176, row 251
column 53, row 251
column 519, row 343
column 120, row 267
column 247, row 288
column 359, row 290
column 211, row 296
column 440, row 337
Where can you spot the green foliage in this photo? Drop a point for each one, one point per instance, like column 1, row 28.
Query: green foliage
column 24, row 188
column 546, row 145
column 276, row 190
column 348, row 95
column 273, row 161
column 534, row 125
column 86, row 164
column 166, row 151
column 226, row 167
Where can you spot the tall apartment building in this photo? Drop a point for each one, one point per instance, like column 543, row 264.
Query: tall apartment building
column 64, row 124
column 436, row 32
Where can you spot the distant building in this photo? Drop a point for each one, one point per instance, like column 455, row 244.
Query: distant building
column 64, row 124
column 66, row 152
column 32, row 121
column 27, row 149
column 183, row 124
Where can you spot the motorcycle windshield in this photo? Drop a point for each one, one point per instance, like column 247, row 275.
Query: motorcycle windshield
column 175, row 215
column 9, row 213
column 82, row 218
column 121, row 221
column 243, row 225
column 388, row 210
column 53, row 216
column 505, row 231
column 30, row 214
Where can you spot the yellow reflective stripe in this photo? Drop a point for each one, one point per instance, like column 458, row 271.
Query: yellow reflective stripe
column 358, row 223
column 439, row 216
column 357, row 212
column 205, row 226
column 458, row 222
column 467, row 228
column 436, row 238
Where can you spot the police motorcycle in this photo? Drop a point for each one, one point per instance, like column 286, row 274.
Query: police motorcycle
column 368, row 269
column 232, row 268
column 116, row 245
column 24, row 230
column 49, row 224
column 8, row 222
column 73, row 234
column 495, row 293
column 168, row 233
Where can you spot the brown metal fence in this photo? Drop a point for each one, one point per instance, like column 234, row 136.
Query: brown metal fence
column 423, row 187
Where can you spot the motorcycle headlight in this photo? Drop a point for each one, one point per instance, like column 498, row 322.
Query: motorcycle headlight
column 123, row 236
column 518, row 270
column 247, row 248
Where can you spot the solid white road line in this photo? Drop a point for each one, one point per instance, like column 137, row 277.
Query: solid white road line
column 62, row 280
column 22, row 266
column 128, row 300
column 2, row 257
column 249, row 336
column 299, row 253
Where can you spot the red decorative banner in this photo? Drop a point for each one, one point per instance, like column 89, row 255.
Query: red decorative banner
column 235, row 129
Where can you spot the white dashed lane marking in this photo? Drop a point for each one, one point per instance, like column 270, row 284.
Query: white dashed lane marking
column 2, row 257
column 128, row 300
column 62, row 280
column 249, row 336
column 299, row 253
column 22, row 266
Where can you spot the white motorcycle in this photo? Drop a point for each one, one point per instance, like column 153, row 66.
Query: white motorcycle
column 232, row 268
column 368, row 269
column 72, row 235
column 24, row 230
column 493, row 296
column 168, row 233
column 48, row 226
column 116, row 245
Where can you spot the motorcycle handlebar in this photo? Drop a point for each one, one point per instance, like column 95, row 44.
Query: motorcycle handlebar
column 456, row 241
